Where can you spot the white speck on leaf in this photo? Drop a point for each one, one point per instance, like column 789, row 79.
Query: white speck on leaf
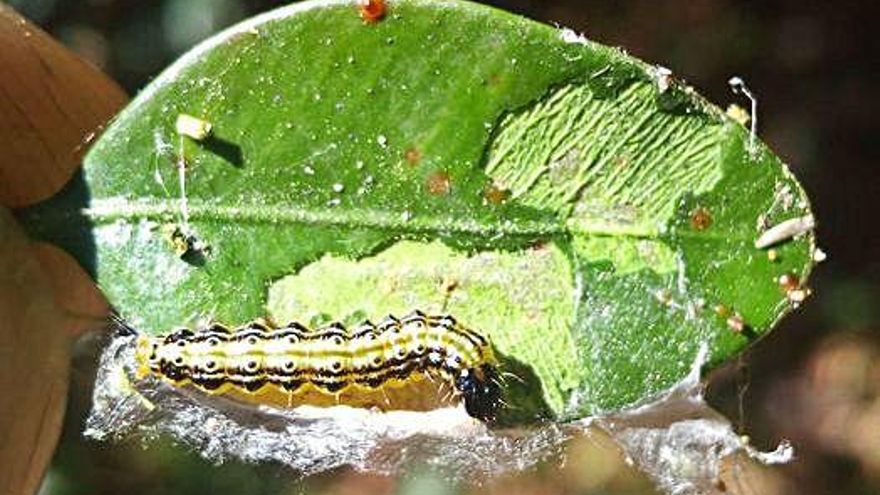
column 571, row 36
column 738, row 86
column 663, row 78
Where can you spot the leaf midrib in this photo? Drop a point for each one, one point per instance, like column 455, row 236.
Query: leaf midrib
column 110, row 210
column 102, row 211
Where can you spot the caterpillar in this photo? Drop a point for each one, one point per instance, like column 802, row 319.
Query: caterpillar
column 397, row 364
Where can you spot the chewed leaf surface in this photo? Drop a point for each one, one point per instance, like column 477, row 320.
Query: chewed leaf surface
column 596, row 218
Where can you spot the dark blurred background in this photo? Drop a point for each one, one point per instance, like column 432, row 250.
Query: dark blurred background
column 815, row 380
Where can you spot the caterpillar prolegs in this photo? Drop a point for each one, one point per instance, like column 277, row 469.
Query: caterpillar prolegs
column 405, row 363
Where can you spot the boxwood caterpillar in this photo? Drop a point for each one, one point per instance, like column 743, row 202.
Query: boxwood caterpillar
column 382, row 365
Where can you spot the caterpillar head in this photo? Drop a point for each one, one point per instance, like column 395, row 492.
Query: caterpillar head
column 481, row 390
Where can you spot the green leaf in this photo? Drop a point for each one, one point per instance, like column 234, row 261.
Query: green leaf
column 596, row 218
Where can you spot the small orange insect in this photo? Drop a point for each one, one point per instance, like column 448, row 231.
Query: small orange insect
column 439, row 184
column 789, row 282
column 372, row 10
column 413, row 156
column 495, row 195
column 701, row 219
